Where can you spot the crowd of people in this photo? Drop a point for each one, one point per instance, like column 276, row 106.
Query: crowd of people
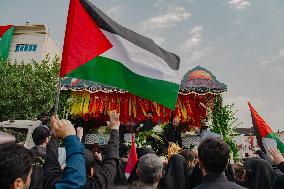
column 208, row 166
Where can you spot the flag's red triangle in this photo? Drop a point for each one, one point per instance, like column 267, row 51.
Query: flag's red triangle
column 83, row 39
column 262, row 126
column 132, row 157
column 3, row 29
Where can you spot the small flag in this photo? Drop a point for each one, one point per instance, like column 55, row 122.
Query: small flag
column 132, row 157
column 98, row 49
column 262, row 130
column 6, row 33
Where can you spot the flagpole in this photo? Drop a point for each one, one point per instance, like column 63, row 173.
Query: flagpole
column 57, row 96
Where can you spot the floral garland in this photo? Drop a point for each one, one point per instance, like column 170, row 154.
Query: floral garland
column 103, row 130
column 133, row 109
column 149, row 139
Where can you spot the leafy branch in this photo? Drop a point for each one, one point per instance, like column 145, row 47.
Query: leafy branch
column 224, row 122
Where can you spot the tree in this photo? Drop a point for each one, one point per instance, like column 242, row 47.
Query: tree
column 27, row 89
column 224, row 123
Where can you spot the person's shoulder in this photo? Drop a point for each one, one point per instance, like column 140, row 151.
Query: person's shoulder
column 226, row 184
column 167, row 128
column 142, row 122
column 201, row 186
column 235, row 186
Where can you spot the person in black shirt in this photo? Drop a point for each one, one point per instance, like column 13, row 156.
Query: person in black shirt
column 172, row 133
column 40, row 136
column 147, row 124
column 213, row 157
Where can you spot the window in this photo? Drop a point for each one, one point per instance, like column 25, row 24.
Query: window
column 25, row 47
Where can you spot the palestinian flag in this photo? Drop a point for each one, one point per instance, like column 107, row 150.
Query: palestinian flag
column 262, row 130
column 6, row 33
column 132, row 158
column 98, row 49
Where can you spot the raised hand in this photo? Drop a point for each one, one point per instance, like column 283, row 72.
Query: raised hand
column 114, row 122
column 98, row 156
column 276, row 155
column 62, row 128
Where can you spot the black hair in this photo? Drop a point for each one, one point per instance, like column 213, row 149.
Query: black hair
column 188, row 155
column 214, row 154
column 40, row 134
column 15, row 162
column 149, row 112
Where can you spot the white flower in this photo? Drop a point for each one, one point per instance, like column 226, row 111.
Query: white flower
column 158, row 129
column 141, row 125
column 155, row 136
column 163, row 159
column 139, row 145
column 101, row 130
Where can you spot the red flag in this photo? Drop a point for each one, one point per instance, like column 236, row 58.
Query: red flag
column 83, row 39
column 3, row 29
column 262, row 130
column 132, row 157
column 262, row 126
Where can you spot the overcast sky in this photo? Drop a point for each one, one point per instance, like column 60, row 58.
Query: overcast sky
column 240, row 41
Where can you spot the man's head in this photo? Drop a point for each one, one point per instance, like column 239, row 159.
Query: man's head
column 203, row 124
column 41, row 135
column 176, row 121
column 150, row 169
column 149, row 115
column 213, row 155
column 44, row 118
column 16, row 166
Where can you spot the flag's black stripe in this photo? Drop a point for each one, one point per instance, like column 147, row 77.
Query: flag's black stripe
column 107, row 24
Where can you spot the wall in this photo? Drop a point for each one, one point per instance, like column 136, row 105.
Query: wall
column 32, row 42
column 27, row 39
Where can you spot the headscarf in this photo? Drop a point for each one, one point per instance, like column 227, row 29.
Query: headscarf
column 176, row 173
column 195, row 177
column 260, row 174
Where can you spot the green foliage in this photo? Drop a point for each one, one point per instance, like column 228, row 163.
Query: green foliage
column 27, row 89
column 151, row 139
column 65, row 101
column 224, row 122
column 20, row 135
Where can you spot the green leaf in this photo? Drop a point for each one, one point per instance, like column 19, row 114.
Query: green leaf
column 27, row 89
column 224, row 122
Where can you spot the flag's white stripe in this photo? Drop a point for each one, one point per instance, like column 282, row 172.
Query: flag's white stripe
column 139, row 60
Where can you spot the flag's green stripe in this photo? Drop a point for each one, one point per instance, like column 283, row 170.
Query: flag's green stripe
column 114, row 73
column 5, row 43
column 280, row 145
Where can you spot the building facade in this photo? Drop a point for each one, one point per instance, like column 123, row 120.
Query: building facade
column 32, row 42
